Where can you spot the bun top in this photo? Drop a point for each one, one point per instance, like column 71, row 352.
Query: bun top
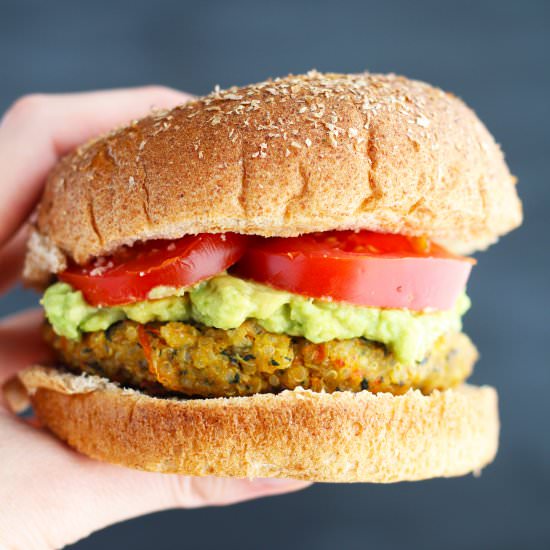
column 287, row 156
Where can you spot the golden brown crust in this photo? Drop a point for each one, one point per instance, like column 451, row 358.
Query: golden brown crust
column 340, row 437
column 293, row 155
column 198, row 361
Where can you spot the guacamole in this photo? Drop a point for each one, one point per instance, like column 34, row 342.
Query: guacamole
column 225, row 302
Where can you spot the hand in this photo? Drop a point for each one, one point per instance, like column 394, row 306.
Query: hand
column 51, row 496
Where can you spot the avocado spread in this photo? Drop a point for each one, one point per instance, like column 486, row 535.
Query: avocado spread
column 226, row 302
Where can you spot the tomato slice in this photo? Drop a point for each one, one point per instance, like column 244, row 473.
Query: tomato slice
column 363, row 268
column 131, row 274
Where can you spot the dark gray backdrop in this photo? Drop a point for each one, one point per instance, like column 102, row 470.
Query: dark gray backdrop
column 495, row 56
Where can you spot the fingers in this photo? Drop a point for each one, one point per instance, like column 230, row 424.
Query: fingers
column 21, row 343
column 90, row 495
column 194, row 492
column 38, row 129
column 12, row 257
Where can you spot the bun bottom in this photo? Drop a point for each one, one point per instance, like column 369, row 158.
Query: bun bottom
column 338, row 437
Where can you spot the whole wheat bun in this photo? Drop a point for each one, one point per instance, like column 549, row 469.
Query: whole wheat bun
column 294, row 155
column 339, row 437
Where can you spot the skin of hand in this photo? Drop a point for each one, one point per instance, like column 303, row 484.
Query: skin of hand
column 50, row 496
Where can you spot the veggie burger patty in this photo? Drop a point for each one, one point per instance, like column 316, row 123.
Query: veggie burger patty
column 195, row 360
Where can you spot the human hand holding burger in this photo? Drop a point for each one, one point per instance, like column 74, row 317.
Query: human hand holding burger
column 268, row 282
column 50, row 495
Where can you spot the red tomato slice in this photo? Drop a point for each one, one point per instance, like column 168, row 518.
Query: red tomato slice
column 133, row 272
column 363, row 268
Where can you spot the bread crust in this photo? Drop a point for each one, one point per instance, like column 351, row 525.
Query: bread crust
column 339, row 437
column 299, row 154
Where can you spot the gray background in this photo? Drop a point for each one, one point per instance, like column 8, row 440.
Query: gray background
column 495, row 56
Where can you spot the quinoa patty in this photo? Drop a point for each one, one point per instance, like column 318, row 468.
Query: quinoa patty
column 195, row 360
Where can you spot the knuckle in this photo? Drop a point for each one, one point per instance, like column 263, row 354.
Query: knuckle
column 192, row 492
column 155, row 92
column 180, row 491
column 27, row 107
column 164, row 93
column 156, row 89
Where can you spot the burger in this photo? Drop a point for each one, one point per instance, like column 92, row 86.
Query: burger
column 269, row 281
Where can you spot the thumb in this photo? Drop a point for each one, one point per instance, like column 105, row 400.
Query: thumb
column 193, row 492
column 111, row 494
column 90, row 495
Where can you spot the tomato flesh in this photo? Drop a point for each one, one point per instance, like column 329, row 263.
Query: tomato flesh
column 362, row 268
column 131, row 274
